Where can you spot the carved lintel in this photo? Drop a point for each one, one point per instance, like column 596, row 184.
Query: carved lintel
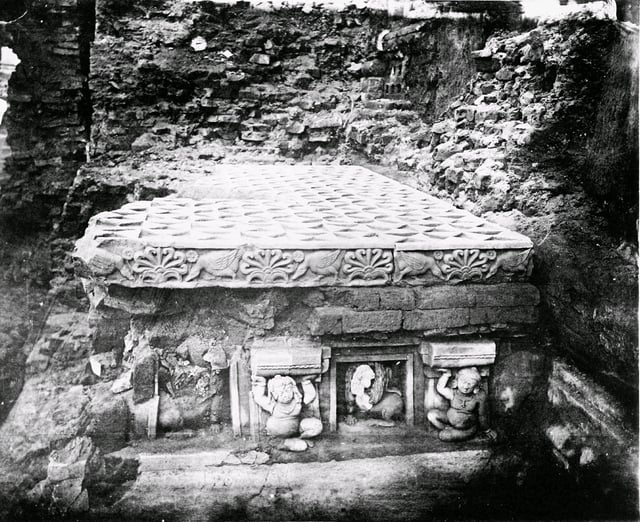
column 458, row 354
column 286, row 356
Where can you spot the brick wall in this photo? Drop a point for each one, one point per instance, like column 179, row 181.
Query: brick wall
column 47, row 117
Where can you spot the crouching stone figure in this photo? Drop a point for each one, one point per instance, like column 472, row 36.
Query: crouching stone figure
column 282, row 399
column 467, row 412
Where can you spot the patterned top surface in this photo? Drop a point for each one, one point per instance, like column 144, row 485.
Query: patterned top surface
column 303, row 207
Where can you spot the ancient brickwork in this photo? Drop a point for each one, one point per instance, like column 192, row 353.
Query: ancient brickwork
column 47, row 118
column 195, row 73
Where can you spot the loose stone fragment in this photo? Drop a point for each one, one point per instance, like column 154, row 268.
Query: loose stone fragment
column 260, row 59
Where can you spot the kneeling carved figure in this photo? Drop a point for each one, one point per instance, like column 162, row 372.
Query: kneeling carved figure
column 282, row 399
column 467, row 410
column 367, row 394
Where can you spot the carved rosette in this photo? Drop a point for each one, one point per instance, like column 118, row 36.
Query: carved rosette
column 368, row 265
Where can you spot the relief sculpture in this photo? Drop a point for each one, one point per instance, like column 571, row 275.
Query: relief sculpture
column 216, row 264
column 512, row 262
column 373, row 265
column 281, row 398
column 325, row 264
column 368, row 395
column 415, row 264
column 466, row 413
column 103, row 263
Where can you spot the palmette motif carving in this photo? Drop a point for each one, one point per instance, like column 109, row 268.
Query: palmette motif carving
column 246, row 267
column 270, row 265
column 161, row 265
column 465, row 265
column 460, row 265
column 372, row 265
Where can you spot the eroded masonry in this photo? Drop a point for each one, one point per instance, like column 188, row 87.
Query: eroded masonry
column 296, row 301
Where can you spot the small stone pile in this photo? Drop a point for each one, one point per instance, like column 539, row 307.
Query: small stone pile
column 512, row 96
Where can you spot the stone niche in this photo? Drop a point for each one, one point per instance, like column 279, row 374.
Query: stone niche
column 294, row 302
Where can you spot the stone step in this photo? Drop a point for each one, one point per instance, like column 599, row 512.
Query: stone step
column 400, row 487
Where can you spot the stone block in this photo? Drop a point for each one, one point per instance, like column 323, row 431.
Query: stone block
column 326, row 320
column 358, row 298
column 458, row 354
column 503, row 315
column 397, row 299
column 381, row 321
column 440, row 297
column 435, row 319
column 260, row 59
column 507, row 295
column 143, row 379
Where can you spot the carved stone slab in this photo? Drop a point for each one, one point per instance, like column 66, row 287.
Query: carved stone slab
column 458, row 354
column 287, row 356
column 298, row 226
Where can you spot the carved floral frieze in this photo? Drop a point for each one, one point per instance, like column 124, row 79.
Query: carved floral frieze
column 461, row 265
column 254, row 267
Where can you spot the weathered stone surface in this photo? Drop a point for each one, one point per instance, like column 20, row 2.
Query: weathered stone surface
column 397, row 299
column 326, row 321
column 499, row 315
column 326, row 489
column 383, row 321
column 41, row 417
column 435, row 319
column 506, row 295
column 357, row 298
column 109, row 414
column 601, row 414
column 143, row 377
column 435, row 298
column 517, row 379
column 73, row 462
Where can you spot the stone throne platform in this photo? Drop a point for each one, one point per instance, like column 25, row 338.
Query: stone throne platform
column 306, row 272
column 257, row 226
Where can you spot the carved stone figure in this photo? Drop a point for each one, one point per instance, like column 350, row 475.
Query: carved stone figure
column 512, row 263
column 282, row 399
column 216, row 264
column 104, row 263
column 323, row 263
column 467, row 411
column 367, row 393
column 414, row 264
